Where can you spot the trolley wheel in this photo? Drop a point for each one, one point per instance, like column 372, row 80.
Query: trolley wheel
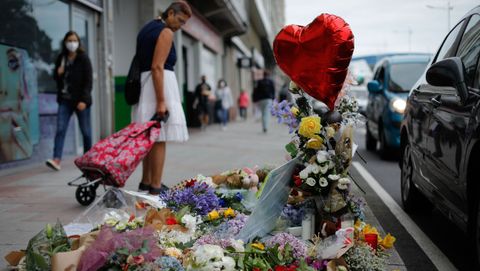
column 85, row 195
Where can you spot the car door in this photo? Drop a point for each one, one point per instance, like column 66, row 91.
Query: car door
column 421, row 108
column 376, row 101
column 449, row 122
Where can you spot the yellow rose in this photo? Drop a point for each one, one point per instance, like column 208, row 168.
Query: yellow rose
column 294, row 110
column 258, row 245
column 309, row 126
column 213, row 215
column 388, row 241
column 229, row 213
column 315, row 143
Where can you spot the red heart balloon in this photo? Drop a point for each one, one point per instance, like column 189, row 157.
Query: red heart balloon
column 316, row 56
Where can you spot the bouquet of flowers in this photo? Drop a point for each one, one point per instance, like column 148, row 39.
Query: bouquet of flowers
column 323, row 140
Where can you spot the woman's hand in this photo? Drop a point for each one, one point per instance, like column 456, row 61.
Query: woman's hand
column 161, row 109
column 81, row 106
column 60, row 70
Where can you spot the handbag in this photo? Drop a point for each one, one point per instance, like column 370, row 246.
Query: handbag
column 133, row 84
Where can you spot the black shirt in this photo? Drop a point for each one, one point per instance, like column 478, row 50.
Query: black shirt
column 75, row 84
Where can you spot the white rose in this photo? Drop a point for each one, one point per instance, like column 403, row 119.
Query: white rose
column 228, row 263
column 315, row 169
column 324, row 168
column 334, row 177
column 311, row 181
column 322, row 156
column 343, row 183
column 304, row 173
column 323, row 182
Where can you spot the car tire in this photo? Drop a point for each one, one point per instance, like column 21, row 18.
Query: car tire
column 412, row 199
column 370, row 141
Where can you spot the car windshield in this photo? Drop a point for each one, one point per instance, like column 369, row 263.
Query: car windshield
column 404, row 75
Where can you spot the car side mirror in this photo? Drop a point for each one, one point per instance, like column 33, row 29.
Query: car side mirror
column 449, row 72
column 374, row 86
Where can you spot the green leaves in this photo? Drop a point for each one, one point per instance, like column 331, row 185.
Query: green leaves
column 292, row 149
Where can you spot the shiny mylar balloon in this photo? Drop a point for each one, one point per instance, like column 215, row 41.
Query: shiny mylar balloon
column 316, row 56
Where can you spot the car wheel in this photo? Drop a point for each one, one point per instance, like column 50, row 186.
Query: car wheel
column 370, row 141
column 412, row 199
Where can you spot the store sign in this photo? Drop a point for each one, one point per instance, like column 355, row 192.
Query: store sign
column 244, row 62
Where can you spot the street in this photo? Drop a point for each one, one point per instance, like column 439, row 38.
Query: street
column 34, row 196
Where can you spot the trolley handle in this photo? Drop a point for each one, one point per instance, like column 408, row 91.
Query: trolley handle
column 156, row 117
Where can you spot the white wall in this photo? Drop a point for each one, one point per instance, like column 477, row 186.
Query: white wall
column 126, row 27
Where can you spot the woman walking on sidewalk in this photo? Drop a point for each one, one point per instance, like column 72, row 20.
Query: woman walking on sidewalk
column 223, row 102
column 160, row 94
column 73, row 75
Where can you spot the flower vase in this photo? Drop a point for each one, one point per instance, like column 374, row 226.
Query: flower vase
column 308, row 226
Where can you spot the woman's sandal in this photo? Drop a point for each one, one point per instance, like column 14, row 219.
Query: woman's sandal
column 157, row 191
column 144, row 187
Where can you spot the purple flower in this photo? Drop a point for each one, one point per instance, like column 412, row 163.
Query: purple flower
column 200, row 198
column 213, row 240
column 232, row 227
column 283, row 238
column 284, row 115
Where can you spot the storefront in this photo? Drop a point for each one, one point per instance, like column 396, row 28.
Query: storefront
column 30, row 40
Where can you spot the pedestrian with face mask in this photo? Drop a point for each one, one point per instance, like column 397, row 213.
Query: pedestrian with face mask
column 73, row 75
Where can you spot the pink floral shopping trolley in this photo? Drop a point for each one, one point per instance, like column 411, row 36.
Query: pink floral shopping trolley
column 112, row 160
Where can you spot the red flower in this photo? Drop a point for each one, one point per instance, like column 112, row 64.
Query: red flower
column 172, row 221
column 297, row 181
column 132, row 217
column 256, row 269
column 190, row 183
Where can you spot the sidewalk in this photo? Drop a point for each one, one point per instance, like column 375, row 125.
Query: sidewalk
column 32, row 196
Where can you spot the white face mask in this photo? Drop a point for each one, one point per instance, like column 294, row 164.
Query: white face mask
column 72, row 46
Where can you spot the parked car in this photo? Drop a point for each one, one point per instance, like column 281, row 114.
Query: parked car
column 392, row 80
column 440, row 135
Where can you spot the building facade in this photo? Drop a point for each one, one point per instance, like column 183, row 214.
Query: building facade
column 229, row 39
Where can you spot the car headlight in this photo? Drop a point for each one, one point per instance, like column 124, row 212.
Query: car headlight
column 398, row 105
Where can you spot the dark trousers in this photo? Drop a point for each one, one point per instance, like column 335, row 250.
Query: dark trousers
column 65, row 111
column 243, row 112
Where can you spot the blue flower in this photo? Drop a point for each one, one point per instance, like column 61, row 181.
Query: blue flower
column 238, row 196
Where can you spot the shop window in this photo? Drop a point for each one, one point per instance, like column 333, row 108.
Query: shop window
column 37, row 26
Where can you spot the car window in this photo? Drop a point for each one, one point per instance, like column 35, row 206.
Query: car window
column 404, row 75
column 469, row 49
column 448, row 46
column 380, row 75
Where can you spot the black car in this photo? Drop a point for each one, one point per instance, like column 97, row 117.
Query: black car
column 440, row 133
